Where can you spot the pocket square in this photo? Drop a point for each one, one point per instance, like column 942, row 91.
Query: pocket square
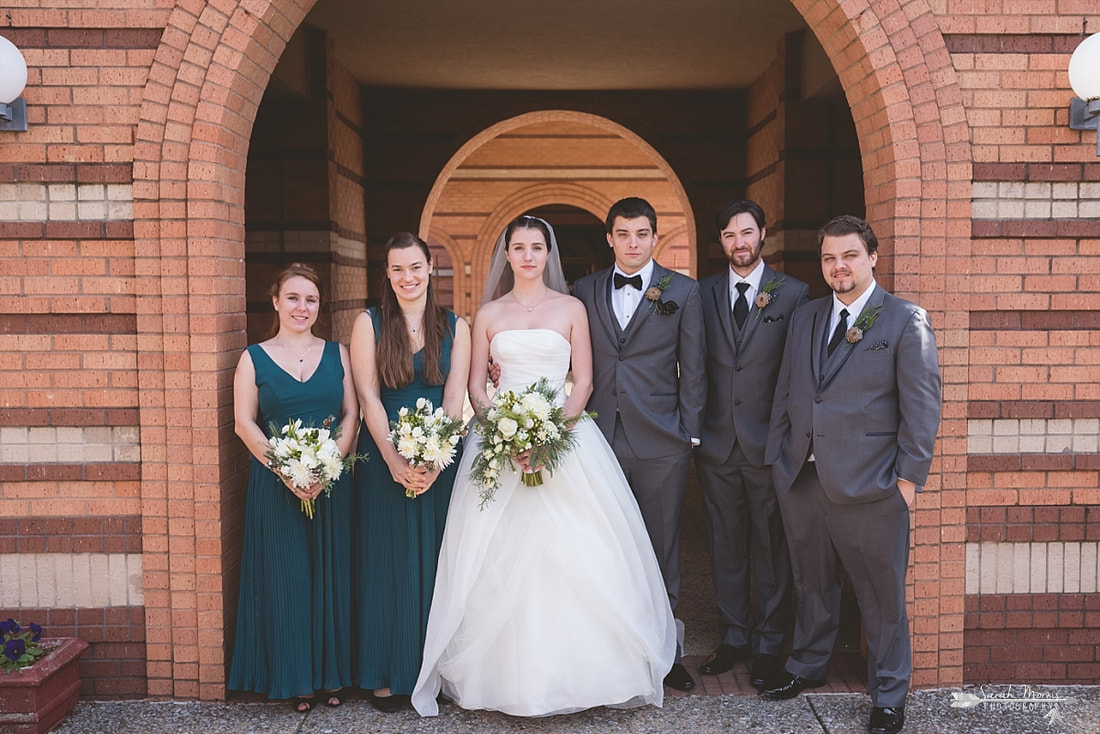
column 768, row 319
column 877, row 345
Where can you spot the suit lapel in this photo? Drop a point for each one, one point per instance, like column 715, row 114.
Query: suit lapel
column 720, row 292
column 844, row 351
column 604, row 313
column 818, row 327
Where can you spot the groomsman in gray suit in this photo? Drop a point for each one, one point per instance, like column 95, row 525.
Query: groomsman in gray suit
column 648, row 382
column 746, row 310
column 857, row 408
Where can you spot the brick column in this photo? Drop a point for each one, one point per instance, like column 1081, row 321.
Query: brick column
column 204, row 87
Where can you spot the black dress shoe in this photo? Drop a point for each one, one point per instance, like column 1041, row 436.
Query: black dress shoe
column 764, row 668
column 386, row 704
column 887, row 720
column 722, row 659
column 679, row 678
column 788, row 686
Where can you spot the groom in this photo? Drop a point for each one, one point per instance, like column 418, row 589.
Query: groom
column 649, row 384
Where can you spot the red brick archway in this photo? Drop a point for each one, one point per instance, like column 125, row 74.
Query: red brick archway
column 205, row 85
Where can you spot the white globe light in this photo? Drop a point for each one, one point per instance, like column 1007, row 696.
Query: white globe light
column 13, row 71
column 1084, row 68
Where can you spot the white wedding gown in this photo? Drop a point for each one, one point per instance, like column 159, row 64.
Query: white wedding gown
column 550, row 599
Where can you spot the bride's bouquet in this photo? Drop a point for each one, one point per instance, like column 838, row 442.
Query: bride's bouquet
column 307, row 455
column 425, row 437
column 513, row 423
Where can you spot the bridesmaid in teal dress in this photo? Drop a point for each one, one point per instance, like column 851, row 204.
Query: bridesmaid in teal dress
column 407, row 348
column 293, row 634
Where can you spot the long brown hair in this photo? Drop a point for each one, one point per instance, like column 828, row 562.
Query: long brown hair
column 291, row 271
column 394, row 355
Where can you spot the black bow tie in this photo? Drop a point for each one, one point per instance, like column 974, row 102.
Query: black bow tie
column 621, row 280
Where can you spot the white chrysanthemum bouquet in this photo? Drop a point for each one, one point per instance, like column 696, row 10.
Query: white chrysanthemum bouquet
column 513, row 423
column 425, row 436
column 306, row 455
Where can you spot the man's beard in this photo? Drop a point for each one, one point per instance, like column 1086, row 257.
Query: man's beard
column 843, row 286
column 753, row 255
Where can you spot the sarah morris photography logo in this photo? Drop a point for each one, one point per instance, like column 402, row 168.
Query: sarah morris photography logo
column 1013, row 698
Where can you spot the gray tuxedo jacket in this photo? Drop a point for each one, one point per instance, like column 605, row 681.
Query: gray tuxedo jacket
column 872, row 409
column 742, row 365
column 650, row 375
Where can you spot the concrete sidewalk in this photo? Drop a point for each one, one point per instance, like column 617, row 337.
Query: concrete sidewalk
column 928, row 712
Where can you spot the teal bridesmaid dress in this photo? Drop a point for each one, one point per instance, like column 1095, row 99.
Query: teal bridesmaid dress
column 397, row 548
column 293, row 633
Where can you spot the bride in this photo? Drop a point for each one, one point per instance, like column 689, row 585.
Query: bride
column 550, row 599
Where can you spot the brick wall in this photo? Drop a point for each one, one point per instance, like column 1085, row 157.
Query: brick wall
column 123, row 293
column 70, row 509
column 304, row 189
column 1032, row 463
column 1032, row 607
column 80, row 577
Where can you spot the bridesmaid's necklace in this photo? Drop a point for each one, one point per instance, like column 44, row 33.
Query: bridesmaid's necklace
column 301, row 357
column 418, row 321
column 532, row 306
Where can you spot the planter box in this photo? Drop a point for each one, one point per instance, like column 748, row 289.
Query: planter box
column 38, row 698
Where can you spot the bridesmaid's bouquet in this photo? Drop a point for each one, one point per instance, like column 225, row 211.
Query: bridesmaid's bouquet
column 306, row 455
column 425, row 437
column 513, row 423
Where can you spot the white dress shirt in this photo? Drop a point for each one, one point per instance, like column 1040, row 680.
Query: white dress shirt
column 753, row 280
column 625, row 300
column 853, row 311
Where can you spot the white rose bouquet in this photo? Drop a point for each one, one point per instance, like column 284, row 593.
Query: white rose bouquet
column 425, row 437
column 306, row 455
column 512, row 424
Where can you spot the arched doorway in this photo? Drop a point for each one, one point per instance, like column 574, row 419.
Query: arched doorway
column 192, row 140
column 520, row 164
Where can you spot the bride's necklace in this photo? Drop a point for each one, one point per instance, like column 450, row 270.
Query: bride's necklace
column 531, row 308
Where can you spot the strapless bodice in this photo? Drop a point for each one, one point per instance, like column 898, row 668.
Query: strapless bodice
column 525, row 355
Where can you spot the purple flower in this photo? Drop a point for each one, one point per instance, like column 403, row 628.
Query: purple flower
column 36, row 632
column 10, row 627
column 15, row 649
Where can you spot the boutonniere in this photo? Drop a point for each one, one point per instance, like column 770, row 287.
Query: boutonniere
column 862, row 325
column 653, row 295
column 768, row 293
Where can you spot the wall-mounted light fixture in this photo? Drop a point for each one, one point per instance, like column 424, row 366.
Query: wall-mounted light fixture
column 1084, row 77
column 13, row 78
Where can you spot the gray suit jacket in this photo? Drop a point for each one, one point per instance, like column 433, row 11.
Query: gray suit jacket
column 872, row 409
column 742, row 365
column 651, row 375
